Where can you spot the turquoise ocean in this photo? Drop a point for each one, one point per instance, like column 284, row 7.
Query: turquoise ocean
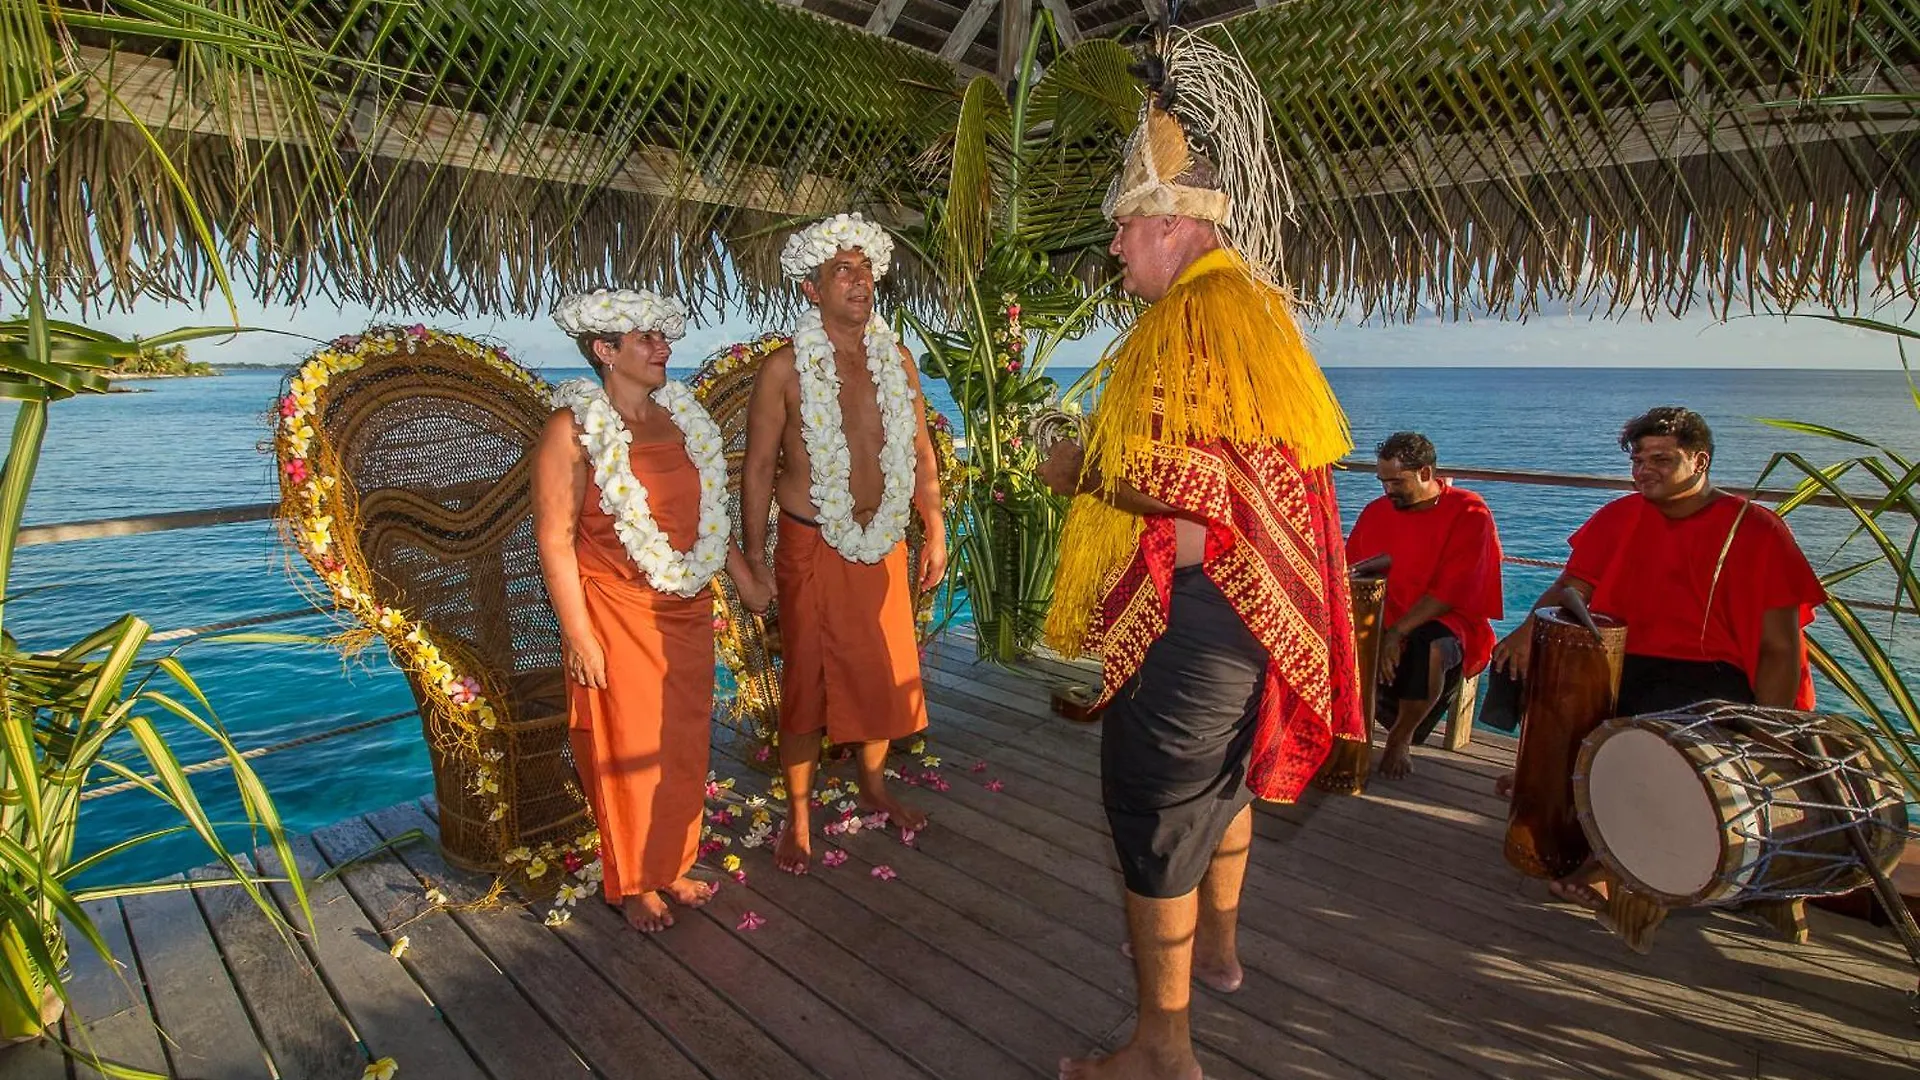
column 184, row 444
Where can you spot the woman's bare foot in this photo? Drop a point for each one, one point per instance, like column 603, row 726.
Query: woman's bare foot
column 647, row 913
column 795, row 851
column 1396, row 762
column 1220, row 976
column 690, row 893
column 1132, row 1062
column 877, row 799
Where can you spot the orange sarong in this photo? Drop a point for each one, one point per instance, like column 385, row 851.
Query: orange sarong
column 641, row 744
column 850, row 659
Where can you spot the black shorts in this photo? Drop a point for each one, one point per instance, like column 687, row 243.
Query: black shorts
column 1409, row 681
column 1176, row 738
column 1648, row 684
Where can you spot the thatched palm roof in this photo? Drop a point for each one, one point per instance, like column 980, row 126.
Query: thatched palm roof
column 484, row 155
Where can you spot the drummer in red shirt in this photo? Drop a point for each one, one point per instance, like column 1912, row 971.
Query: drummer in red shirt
column 1714, row 591
column 1443, row 591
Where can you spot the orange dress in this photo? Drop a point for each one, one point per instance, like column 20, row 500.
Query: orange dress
column 641, row 744
column 849, row 651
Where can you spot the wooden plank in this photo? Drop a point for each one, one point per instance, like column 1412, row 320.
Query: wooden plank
column 206, row 1028
column 390, row 1012
column 1063, row 19
column 885, row 14
column 702, row 1022
column 930, row 970
column 602, row 1028
column 1449, row 998
column 108, row 1015
column 483, row 1008
column 298, row 1022
column 871, row 981
column 968, row 28
column 1016, row 25
column 1460, row 716
column 39, row 1059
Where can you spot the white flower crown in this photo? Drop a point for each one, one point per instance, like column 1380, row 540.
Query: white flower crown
column 618, row 311
column 811, row 247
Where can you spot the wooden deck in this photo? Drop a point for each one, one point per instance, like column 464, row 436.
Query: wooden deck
column 1384, row 937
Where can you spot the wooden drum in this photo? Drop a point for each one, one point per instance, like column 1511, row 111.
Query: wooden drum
column 1573, row 683
column 1349, row 763
column 1722, row 803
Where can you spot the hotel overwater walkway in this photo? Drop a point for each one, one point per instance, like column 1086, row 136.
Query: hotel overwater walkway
column 1383, row 936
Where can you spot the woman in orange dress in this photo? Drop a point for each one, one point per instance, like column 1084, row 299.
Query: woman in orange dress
column 630, row 514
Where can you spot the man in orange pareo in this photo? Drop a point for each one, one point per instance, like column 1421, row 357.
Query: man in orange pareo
column 837, row 434
column 629, row 488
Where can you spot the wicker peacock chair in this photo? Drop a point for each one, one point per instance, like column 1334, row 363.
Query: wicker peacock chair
column 405, row 484
column 749, row 645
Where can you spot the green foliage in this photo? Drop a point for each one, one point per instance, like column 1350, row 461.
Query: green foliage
column 1875, row 488
column 170, row 360
column 88, row 711
column 1018, row 207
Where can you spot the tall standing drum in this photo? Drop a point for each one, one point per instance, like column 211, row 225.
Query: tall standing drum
column 1719, row 803
column 1573, row 683
column 1349, row 762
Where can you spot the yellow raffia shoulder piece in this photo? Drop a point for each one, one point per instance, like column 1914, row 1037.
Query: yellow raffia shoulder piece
column 1219, row 357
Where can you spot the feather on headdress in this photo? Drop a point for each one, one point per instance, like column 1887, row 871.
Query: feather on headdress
column 1204, row 149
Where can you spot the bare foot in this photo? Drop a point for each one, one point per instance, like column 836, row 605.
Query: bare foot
column 1396, row 762
column 880, row 800
column 795, row 850
column 1576, row 891
column 1223, row 976
column 1503, row 787
column 690, row 893
column 647, row 913
column 1133, row 1062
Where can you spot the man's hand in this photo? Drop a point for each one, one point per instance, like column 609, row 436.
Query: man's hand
column 586, row 661
column 933, row 561
column 1061, row 470
column 756, row 590
column 1510, row 655
column 1393, row 644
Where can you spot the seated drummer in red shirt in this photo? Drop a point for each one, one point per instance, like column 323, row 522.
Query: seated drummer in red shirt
column 1649, row 559
column 1443, row 591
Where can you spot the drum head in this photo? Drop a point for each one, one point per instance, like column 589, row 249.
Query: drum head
column 1651, row 814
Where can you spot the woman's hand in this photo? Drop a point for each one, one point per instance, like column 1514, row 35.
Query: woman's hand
column 586, row 661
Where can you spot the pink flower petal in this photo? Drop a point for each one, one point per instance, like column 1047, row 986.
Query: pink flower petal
column 979, row 766
column 751, row 921
column 995, row 785
column 740, row 876
column 907, row 835
column 884, row 873
column 834, row 857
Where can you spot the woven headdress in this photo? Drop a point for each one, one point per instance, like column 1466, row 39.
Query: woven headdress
column 1203, row 149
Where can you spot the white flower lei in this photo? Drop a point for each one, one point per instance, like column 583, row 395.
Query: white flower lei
column 624, row 498
column 821, row 428
column 813, row 246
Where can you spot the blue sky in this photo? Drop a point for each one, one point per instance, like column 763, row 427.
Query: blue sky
column 1553, row 340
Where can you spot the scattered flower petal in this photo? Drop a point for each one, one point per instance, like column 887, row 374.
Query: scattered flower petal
column 995, row 785
column 435, row 896
column 384, row 1069
column 979, row 766
column 884, row 873
column 730, row 863
column 751, row 921
column 399, row 946
column 834, row 857
column 558, row 916
column 907, row 835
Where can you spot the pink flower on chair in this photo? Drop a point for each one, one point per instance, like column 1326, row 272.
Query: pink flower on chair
column 297, row 470
column 347, row 341
column 417, row 330
column 465, row 691
column 288, row 406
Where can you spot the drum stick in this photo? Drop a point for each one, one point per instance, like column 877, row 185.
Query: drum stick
column 1576, row 606
column 1371, row 566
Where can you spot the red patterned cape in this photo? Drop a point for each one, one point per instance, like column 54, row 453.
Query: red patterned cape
column 1274, row 548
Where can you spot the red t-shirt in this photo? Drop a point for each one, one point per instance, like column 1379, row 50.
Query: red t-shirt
column 1451, row 552
column 1657, row 575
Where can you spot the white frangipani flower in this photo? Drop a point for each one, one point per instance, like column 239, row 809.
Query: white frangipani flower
column 624, row 498
column 811, row 247
column 617, row 311
column 826, row 441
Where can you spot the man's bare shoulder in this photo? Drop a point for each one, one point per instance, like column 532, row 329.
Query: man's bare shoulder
column 778, row 365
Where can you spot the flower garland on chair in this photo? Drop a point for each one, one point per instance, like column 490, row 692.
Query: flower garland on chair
column 624, row 498
column 826, row 440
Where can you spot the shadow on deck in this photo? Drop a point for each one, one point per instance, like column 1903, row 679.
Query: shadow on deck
column 1384, row 937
